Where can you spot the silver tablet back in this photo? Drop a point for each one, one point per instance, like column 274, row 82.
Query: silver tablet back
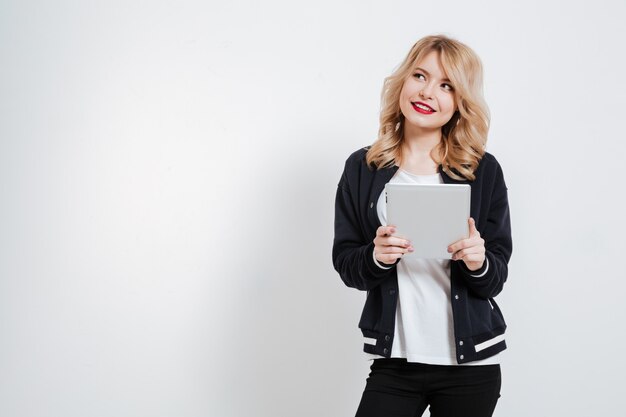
column 431, row 216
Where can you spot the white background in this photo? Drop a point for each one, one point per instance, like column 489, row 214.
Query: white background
column 168, row 173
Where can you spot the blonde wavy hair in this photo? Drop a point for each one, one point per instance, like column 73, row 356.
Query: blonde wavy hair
column 464, row 136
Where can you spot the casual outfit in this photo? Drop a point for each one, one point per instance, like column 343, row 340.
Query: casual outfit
column 424, row 316
column 423, row 330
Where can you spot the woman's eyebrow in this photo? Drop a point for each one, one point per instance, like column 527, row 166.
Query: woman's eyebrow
column 428, row 73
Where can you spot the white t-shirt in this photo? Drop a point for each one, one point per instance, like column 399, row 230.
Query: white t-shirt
column 424, row 328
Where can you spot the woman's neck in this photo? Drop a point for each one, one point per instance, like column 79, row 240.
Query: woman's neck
column 420, row 141
column 417, row 152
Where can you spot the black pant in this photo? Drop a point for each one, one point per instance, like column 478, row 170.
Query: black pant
column 397, row 388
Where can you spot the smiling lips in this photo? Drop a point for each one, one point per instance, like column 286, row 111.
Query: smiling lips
column 422, row 108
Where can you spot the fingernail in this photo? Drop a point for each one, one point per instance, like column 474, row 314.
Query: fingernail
column 411, row 249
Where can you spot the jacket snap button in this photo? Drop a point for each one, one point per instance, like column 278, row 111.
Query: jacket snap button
column 387, row 337
column 392, row 291
column 371, row 204
column 461, row 343
column 461, row 357
column 456, row 297
column 385, row 350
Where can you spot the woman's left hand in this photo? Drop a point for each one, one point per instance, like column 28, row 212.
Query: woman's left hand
column 470, row 250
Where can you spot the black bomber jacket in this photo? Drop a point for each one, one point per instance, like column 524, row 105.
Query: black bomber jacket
column 478, row 322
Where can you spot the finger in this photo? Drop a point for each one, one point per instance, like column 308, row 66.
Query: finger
column 472, row 250
column 393, row 249
column 474, row 240
column 386, row 230
column 381, row 248
column 396, row 241
column 458, row 245
column 472, row 228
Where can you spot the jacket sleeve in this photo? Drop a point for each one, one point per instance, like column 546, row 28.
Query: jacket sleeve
column 498, row 244
column 352, row 252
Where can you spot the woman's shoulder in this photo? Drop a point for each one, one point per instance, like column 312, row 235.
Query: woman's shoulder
column 355, row 168
column 489, row 169
column 489, row 162
column 488, row 158
column 357, row 159
column 358, row 156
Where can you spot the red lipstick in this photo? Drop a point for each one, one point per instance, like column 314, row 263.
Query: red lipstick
column 421, row 110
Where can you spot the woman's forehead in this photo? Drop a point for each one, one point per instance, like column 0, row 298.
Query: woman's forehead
column 431, row 65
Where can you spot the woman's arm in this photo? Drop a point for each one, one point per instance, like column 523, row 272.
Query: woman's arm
column 496, row 232
column 353, row 253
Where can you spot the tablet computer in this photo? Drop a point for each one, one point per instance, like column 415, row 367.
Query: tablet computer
column 431, row 216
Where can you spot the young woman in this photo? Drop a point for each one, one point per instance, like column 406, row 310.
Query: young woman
column 431, row 326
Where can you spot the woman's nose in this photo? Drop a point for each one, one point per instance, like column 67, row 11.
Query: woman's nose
column 426, row 91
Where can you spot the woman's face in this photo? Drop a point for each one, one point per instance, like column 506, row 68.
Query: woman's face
column 427, row 84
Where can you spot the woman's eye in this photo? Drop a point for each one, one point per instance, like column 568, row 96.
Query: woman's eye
column 448, row 86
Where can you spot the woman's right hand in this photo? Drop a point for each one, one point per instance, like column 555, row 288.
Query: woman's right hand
column 387, row 248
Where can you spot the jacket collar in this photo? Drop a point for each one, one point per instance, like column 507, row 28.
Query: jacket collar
column 449, row 180
column 390, row 171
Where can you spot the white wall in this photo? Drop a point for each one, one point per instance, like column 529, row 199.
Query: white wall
column 168, row 173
